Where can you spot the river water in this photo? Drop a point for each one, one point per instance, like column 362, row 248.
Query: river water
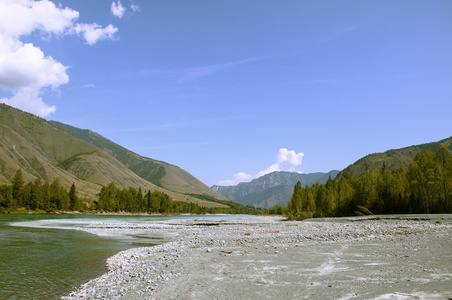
column 46, row 263
column 39, row 260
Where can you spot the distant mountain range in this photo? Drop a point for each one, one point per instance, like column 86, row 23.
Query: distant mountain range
column 52, row 149
column 271, row 189
column 276, row 188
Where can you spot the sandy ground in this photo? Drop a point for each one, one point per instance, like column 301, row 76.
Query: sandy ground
column 402, row 257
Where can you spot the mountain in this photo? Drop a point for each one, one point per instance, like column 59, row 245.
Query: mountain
column 395, row 158
column 160, row 173
column 271, row 189
column 41, row 149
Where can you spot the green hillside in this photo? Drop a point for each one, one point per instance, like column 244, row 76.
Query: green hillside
column 39, row 149
column 395, row 158
column 159, row 173
column 42, row 150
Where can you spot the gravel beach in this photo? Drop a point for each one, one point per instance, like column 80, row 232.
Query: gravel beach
column 375, row 257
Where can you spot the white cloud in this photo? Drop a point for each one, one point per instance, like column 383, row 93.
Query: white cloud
column 286, row 160
column 24, row 69
column 134, row 7
column 22, row 17
column 117, row 9
column 28, row 99
column 94, row 33
column 24, row 65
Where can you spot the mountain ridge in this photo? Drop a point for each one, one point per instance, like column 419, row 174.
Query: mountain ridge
column 42, row 150
column 394, row 158
column 271, row 189
column 160, row 173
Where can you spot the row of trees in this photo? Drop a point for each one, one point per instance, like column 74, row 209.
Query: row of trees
column 38, row 195
column 50, row 197
column 114, row 199
column 425, row 187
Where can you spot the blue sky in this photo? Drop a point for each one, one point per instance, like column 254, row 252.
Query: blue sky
column 230, row 90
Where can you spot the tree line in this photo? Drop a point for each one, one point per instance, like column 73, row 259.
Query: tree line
column 114, row 199
column 37, row 195
column 424, row 187
column 43, row 196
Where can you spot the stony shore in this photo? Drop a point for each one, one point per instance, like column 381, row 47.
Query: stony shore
column 390, row 257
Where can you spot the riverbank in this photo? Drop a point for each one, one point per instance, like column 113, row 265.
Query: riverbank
column 399, row 257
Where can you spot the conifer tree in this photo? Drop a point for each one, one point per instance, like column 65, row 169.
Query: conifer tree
column 73, row 199
column 295, row 204
column 444, row 158
column 18, row 184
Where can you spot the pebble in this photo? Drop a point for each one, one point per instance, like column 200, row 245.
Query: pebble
column 139, row 272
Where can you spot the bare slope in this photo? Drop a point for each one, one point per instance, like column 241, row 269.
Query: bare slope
column 43, row 150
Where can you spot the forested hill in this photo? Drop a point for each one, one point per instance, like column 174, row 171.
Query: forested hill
column 159, row 173
column 44, row 151
column 425, row 187
column 395, row 158
column 271, row 189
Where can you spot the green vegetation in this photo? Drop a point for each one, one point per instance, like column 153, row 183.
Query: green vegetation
column 68, row 162
column 132, row 200
column 160, row 173
column 234, row 207
column 425, row 187
column 37, row 196
column 150, row 170
column 52, row 197
column 396, row 158
column 82, row 157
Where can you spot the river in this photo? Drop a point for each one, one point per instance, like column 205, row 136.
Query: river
column 39, row 261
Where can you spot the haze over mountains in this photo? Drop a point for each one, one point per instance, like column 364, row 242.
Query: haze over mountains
column 85, row 158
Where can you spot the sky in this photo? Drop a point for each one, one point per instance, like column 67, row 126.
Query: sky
column 232, row 90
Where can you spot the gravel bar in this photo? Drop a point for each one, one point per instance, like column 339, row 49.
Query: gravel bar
column 374, row 257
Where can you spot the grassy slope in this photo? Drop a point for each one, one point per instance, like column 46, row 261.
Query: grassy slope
column 160, row 173
column 395, row 158
column 42, row 150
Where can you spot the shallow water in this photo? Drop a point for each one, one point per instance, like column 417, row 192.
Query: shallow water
column 39, row 260
column 46, row 263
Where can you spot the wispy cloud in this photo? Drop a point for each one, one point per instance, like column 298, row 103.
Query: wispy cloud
column 223, row 119
column 176, row 124
column 118, row 9
column 134, row 7
column 338, row 34
column 160, row 127
column 189, row 74
column 170, row 146
column 195, row 73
